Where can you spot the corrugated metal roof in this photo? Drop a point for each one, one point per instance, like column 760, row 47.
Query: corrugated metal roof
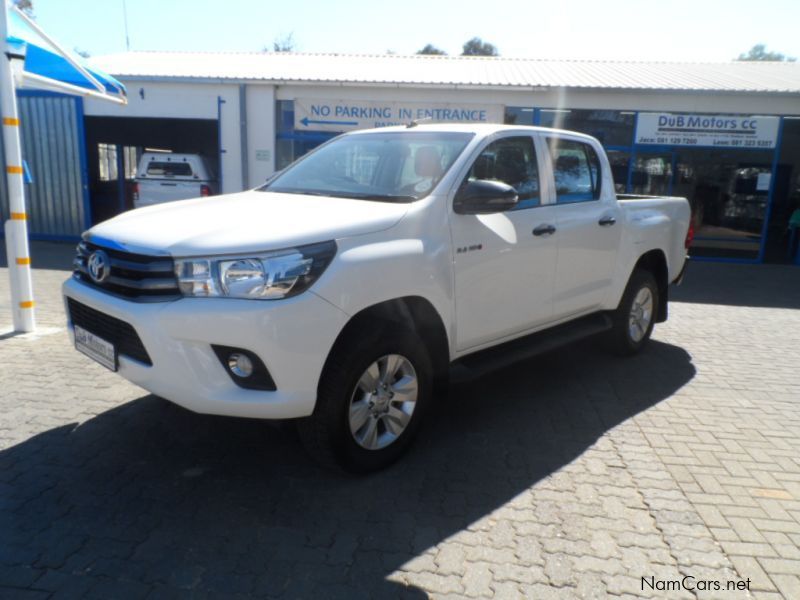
column 459, row 71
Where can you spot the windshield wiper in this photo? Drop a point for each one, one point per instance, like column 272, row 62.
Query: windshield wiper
column 294, row 191
column 344, row 194
column 379, row 197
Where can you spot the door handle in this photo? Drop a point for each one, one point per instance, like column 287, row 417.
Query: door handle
column 607, row 221
column 545, row 229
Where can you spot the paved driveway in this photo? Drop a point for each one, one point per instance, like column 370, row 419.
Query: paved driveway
column 573, row 475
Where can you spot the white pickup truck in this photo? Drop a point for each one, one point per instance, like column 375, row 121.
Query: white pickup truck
column 346, row 290
column 166, row 177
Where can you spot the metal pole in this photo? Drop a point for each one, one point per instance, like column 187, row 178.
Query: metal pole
column 125, row 16
column 16, row 227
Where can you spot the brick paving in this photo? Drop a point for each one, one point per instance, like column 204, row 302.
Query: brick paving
column 574, row 475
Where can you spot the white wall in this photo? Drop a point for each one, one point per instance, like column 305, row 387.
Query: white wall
column 260, row 133
column 185, row 101
column 756, row 104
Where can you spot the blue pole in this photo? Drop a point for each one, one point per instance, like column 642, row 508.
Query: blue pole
column 673, row 165
column 120, row 178
column 771, row 193
column 631, row 162
column 220, row 102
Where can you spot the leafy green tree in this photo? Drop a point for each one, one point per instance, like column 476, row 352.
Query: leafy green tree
column 432, row 50
column 759, row 52
column 477, row 47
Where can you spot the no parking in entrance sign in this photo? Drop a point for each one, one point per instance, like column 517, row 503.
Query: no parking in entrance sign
column 346, row 115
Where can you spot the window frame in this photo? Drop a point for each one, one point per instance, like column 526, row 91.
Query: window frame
column 597, row 192
column 544, row 185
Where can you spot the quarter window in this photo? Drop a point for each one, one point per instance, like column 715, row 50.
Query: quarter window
column 511, row 160
column 169, row 169
column 576, row 169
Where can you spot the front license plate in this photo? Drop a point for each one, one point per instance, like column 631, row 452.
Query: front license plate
column 96, row 347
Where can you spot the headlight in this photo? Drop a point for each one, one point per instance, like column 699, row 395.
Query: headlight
column 266, row 276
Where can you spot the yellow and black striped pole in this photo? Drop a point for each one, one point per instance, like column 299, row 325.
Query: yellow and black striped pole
column 16, row 225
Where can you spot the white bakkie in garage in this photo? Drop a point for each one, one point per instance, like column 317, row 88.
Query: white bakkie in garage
column 345, row 290
column 166, row 177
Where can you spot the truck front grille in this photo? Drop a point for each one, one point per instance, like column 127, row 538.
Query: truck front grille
column 111, row 329
column 136, row 277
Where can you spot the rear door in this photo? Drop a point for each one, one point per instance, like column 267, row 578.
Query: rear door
column 503, row 271
column 589, row 225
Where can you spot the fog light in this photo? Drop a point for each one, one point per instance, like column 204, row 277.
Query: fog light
column 240, row 364
column 245, row 368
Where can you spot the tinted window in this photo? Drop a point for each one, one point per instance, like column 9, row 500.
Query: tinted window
column 511, row 160
column 611, row 127
column 576, row 169
column 169, row 169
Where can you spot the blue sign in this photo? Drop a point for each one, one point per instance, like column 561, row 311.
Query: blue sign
column 345, row 115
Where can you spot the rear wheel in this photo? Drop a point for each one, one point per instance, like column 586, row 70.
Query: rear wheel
column 373, row 393
column 634, row 318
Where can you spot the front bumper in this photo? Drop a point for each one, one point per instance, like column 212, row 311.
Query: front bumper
column 292, row 337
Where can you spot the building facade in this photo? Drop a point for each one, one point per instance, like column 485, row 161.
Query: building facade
column 726, row 136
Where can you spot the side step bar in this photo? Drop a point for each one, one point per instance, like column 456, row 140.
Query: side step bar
column 478, row 364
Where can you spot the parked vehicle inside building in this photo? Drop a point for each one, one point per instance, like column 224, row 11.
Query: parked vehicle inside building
column 166, row 177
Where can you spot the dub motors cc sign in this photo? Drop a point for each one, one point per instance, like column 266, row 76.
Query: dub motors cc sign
column 676, row 129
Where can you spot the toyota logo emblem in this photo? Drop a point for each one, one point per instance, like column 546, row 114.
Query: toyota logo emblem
column 99, row 266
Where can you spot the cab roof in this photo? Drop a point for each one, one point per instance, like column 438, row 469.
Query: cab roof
column 480, row 129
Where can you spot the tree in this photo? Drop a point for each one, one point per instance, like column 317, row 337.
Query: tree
column 432, row 50
column 759, row 52
column 477, row 47
column 283, row 44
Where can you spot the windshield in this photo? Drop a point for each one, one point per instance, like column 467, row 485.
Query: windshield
column 390, row 167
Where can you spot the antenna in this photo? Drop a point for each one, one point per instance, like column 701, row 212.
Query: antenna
column 415, row 122
column 125, row 17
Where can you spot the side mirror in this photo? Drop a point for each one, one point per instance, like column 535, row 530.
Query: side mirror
column 482, row 197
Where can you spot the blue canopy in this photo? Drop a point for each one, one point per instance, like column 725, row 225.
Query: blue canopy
column 50, row 66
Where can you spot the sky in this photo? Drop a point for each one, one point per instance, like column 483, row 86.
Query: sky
column 695, row 30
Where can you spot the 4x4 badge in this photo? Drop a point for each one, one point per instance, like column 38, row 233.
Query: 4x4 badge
column 471, row 248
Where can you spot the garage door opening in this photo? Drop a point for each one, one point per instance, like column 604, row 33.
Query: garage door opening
column 114, row 145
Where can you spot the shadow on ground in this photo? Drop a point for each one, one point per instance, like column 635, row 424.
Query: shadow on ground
column 148, row 497
column 768, row 286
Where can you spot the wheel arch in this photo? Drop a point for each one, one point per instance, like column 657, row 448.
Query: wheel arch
column 409, row 312
column 655, row 262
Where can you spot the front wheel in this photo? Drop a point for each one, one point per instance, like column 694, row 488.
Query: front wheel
column 634, row 318
column 373, row 393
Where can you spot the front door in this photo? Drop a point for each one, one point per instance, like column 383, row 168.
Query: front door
column 503, row 271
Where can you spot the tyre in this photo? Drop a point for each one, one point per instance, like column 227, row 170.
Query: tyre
column 634, row 318
column 372, row 396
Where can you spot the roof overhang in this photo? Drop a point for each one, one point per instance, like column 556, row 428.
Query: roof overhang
column 39, row 62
